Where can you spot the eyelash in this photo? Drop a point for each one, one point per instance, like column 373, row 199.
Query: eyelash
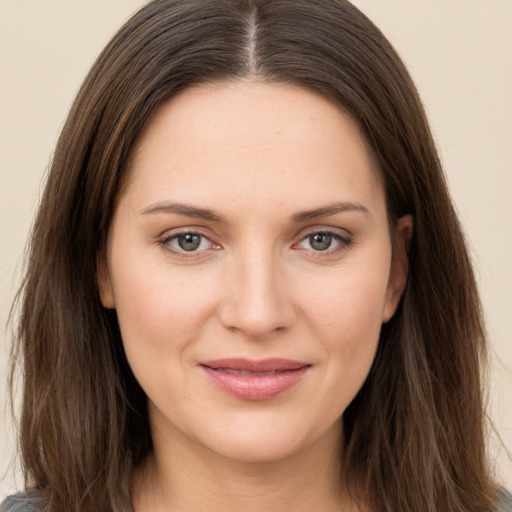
column 165, row 243
column 343, row 242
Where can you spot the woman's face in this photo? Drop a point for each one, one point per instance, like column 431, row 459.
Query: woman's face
column 250, row 264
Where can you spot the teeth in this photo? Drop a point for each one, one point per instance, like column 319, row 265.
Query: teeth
column 245, row 373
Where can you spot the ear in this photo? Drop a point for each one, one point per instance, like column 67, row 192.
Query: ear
column 399, row 266
column 105, row 283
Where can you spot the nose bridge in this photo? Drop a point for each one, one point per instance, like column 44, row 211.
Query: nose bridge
column 257, row 301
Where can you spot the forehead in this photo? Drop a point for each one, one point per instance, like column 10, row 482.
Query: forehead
column 248, row 136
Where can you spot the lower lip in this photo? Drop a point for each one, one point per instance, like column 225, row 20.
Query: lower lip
column 255, row 387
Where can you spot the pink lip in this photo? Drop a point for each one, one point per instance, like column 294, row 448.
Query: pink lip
column 254, row 382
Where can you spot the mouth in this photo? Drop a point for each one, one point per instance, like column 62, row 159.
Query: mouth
column 255, row 380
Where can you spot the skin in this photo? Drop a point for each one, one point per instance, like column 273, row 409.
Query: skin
column 257, row 156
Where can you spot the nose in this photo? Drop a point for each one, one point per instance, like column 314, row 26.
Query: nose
column 257, row 301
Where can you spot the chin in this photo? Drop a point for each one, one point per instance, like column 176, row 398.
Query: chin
column 254, row 441
column 258, row 451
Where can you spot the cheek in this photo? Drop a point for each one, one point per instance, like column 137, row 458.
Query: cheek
column 346, row 315
column 161, row 310
column 348, row 305
column 161, row 313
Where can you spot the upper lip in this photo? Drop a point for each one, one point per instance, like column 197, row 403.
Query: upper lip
column 250, row 365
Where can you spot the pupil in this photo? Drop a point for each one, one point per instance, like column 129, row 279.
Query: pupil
column 189, row 242
column 321, row 241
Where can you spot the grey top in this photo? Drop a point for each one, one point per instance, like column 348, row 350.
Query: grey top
column 29, row 502
column 504, row 505
column 22, row 502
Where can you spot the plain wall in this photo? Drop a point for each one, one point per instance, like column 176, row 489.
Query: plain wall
column 459, row 54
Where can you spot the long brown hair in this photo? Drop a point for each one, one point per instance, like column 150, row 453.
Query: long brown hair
column 414, row 434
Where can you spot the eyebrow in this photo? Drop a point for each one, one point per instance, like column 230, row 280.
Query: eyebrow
column 209, row 215
column 330, row 209
column 182, row 209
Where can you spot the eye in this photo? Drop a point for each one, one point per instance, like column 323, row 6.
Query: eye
column 187, row 242
column 320, row 241
column 324, row 241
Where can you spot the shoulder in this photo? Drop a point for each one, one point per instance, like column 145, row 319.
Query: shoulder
column 504, row 501
column 23, row 502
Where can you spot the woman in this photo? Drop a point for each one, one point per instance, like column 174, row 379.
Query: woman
column 247, row 287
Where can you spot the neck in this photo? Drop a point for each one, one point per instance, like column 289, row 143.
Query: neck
column 183, row 476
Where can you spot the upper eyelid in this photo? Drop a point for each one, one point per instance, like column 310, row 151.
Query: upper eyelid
column 195, row 230
column 304, row 233
column 167, row 236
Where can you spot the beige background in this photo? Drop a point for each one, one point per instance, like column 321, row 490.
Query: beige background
column 459, row 53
